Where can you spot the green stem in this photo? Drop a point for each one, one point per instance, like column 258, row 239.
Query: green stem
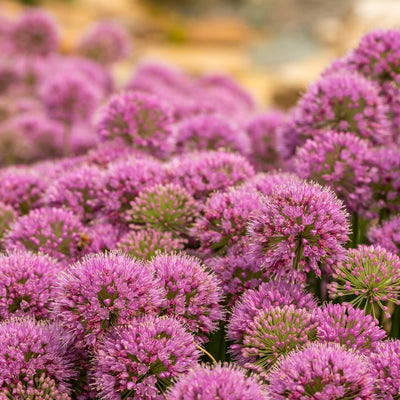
column 395, row 330
column 217, row 345
column 355, row 235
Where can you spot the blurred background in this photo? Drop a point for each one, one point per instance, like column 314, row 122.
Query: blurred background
column 273, row 47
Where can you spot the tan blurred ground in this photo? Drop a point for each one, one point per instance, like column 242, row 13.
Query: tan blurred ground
column 275, row 59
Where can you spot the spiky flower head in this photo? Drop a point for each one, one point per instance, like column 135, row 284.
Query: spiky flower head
column 299, row 226
column 31, row 354
column 322, row 371
column 141, row 359
column 79, row 190
column 102, row 236
column 202, row 173
column 192, row 293
column 369, row 277
column 385, row 367
column 343, row 162
column 7, row 217
column 53, row 231
column 34, row 33
column 275, row 293
column 27, row 284
column 105, row 42
column 348, row 326
column 101, row 291
column 387, row 235
column 224, row 218
column 145, row 243
column 141, row 120
column 266, row 183
column 224, row 382
column 164, row 207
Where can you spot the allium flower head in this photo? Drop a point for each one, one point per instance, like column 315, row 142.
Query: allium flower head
column 105, row 42
column 205, row 172
column 275, row 293
column 32, row 353
column 224, row 219
column 101, row 291
column 53, row 231
column 7, row 217
column 141, row 359
column 164, row 207
column 192, row 292
column 387, row 235
column 102, row 236
column 223, row 382
column 299, row 226
column 27, row 284
column 35, row 33
column 106, row 153
column 321, row 371
column 274, row 332
column 348, row 326
column 266, row 183
column 145, row 243
column 343, row 162
column 370, row 277
column 141, row 120
column 385, row 363
column 79, row 191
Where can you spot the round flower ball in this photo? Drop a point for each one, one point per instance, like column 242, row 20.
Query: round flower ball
column 101, row 291
column 146, row 243
column 343, row 162
column 34, row 33
column 266, row 183
column 348, row 326
column 369, row 277
column 105, row 42
column 7, row 217
column 164, row 207
column 385, row 367
column 192, row 293
column 139, row 119
column 52, row 231
column 31, row 354
column 224, row 382
column 224, row 218
column 275, row 293
column 298, row 227
column 322, row 371
column 142, row 359
column 387, row 235
column 27, row 284
column 202, row 173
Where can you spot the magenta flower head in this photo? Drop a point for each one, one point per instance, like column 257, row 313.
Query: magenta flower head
column 224, row 219
column 53, row 231
column 266, row 183
column 369, row 277
column 101, row 291
column 7, row 217
column 27, row 284
column 141, row 120
column 164, row 207
column 385, row 367
column 343, row 162
column 322, row 371
column 140, row 361
column 211, row 132
column 298, row 227
column 102, row 236
column 107, row 152
column 387, row 235
column 105, row 42
column 35, row 33
column 31, row 354
column 79, row 191
column 205, row 172
column 275, row 293
column 192, row 293
column 145, row 243
column 223, row 382
column 262, row 130
column 348, row 326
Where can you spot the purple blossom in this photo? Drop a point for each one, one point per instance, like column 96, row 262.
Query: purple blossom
column 141, row 359
column 348, row 326
column 7, row 217
column 322, row 371
column 102, row 236
column 223, row 382
column 101, row 291
column 299, row 226
column 266, row 183
column 387, row 235
column 192, row 293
